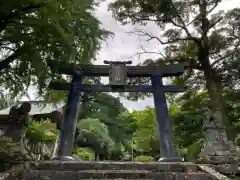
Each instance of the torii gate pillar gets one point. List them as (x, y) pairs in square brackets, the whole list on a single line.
[(167, 152)]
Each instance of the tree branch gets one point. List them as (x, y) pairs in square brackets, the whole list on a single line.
[(5, 20), (236, 48), (151, 52), (183, 26), (214, 23), (144, 51), (8, 48), (192, 21), (142, 19), (142, 33), (215, 5), (5, 63)]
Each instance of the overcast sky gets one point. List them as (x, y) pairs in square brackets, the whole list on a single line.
[(122, 45)]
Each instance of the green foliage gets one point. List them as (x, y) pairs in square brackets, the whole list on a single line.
[(110, 111), (102, 106), (94, 134), (193, 34), (33, 32), (191, 152), (237, 139), (43, 131), (84, 154), (136, 133), (9, 153), (144, 159), (186, 116), (117, 152), (146, 138)]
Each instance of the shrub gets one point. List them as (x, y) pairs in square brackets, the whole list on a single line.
[(43, 131), (143, 158), (9, 153), (83, 153)]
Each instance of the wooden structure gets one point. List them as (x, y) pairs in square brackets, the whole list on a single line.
[(117, 73)]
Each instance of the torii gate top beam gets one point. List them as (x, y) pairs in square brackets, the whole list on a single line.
[(132, 71)]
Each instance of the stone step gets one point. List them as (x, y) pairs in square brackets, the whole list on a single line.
[(110, 174), (92, 165)]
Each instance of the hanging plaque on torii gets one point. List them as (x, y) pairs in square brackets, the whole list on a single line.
[(117, 73)]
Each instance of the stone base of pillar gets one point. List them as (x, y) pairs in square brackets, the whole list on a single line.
[(170, 159), (173, 158), (62, 158)]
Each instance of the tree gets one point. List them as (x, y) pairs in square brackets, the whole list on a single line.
[(110, 111), (145, 138), (204, 41), (92, 133), (101, 106), (187, 120), (33, 32)]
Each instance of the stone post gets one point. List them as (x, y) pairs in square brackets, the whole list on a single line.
[(217, 150)]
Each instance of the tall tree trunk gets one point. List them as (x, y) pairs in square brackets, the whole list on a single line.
[(214, 87), (213, 79)]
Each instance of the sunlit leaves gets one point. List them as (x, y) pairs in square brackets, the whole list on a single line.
[(43, 131), (84, 154), (144, 158), (145, 137)]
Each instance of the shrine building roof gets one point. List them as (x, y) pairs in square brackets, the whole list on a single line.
[(37, 107)]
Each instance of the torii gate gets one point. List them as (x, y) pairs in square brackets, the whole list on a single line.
[(117, 71)]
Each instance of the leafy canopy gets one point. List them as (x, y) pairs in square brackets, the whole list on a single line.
[(34, 31)]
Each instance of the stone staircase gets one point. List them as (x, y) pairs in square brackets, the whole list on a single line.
[(76, 170)]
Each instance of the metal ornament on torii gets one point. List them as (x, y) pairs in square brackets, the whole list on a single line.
[(117, 71)]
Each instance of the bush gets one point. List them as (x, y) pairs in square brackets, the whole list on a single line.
[(191, 152), (144, 158), (9, 153), (237, 140), (43, 131), (83, 153)]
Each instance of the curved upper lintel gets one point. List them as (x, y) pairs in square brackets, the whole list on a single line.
[(132, 71)]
